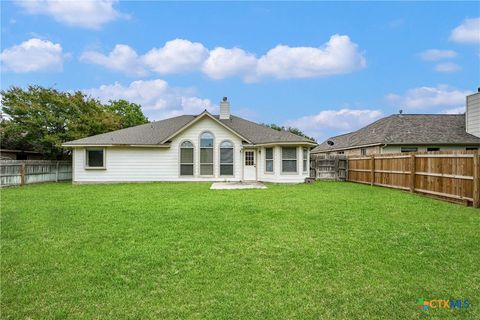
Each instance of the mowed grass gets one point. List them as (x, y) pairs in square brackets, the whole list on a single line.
[(181, 251)]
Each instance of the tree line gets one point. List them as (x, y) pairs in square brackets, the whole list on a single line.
[(41, 119)]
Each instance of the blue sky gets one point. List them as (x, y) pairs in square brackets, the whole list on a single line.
[(327, 68)]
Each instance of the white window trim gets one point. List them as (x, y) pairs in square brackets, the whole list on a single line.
[(200, 158), (180, 159), (296, 161), (104, 167), (273, 161), (220, 160)]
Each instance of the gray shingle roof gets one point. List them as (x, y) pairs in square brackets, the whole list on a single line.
[(407, 129), (155, 132), (259, 134)]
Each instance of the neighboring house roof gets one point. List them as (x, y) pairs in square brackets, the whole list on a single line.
[(155, 133), (406, 129)]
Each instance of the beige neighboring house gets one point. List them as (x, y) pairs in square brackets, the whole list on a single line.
[(410, 133), (201, 147)]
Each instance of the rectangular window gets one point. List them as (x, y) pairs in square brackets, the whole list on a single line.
[(186, 161), (95, 158), (226, 161), (433, 149), (206, 161), (409, 149), (305, 159), (206, 154), (471, 148), (363, 151), (289, 159), (268, 159)]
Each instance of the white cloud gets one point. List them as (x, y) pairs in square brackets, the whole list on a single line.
[(338, 56), (436, 54), (157, 98), (429, 97), (459, 110), (176, 56), (467, 32), (447, 67), (223, 63), (396, 23), (343, 120), (122, 58), (91, 14), (33, 55)]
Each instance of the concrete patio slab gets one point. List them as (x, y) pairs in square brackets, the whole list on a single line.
[(237, 185)]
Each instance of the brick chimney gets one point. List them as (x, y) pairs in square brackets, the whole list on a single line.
[(225, 109)]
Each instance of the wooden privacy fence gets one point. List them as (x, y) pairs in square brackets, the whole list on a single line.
[(328, 167), (20, 172), (449, 175)]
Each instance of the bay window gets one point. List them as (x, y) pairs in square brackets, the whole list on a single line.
[(269, 160), (289, 159)]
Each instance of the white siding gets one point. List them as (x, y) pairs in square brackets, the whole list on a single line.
[(277, 175), (473, 114), (159, 164)]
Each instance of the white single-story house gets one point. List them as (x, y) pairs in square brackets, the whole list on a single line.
[(202, 147)]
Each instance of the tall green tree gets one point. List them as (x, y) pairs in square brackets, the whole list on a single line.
[(130, 113), (296, 131), (41, 119)]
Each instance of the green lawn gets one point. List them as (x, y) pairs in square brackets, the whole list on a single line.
[(179, 250)]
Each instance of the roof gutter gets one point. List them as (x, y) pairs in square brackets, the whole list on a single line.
[(65, 145), (286, 143)]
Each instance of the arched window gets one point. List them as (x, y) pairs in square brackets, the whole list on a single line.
[(206, 154), (186, 159), (226, 158)]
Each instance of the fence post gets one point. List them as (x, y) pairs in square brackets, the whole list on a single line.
[(372, 175), (346, 168), (56, 173), (22, 173), (476, 180), (412, 173)]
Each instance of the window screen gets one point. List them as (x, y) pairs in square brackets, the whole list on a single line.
[(186, 159), (95, 158), (305, 159), (226, 158), (206, 154), (269, 160), (289, 159)]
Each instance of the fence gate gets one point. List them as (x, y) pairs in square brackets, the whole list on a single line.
[(328, 167)]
